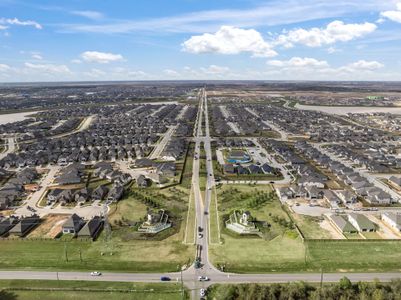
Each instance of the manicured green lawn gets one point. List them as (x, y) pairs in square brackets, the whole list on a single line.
[(354, 255), (15, 289), (253, 255), (130, 256)]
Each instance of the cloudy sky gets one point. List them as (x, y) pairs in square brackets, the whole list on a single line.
[(200, 39)]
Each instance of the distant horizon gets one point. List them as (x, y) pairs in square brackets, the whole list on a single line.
[(195, 80)]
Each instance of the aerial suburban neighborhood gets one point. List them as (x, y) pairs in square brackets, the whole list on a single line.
[(200, 150), (202, 180)]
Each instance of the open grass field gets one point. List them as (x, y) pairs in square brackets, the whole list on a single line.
[(288, 254), (128, 255), (50, 290), (253, 254), (310, 227), (354, 255)]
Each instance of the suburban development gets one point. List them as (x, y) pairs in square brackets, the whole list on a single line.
[(200, 184), (200, 150)]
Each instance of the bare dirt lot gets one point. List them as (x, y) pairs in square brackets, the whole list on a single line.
[(50, 227)]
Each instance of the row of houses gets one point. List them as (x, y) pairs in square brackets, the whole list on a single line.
[(14, 226), (175, 149), (332, 197), (16, 187), (81, 196), (81, 228), (251, 169), (352, 223), (359, 184), (319, 126), (375, 160)]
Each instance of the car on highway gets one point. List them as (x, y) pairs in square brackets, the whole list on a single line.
[(202, 292), (200, 229), (96, 273), (165, 278), (203, 278), (205, 212), (200, 235)]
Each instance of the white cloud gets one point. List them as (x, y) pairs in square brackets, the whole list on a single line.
[(100, 57), (76, 61), (331, 50), (230, 40), (362, 65), (335, 31), (15, 21), (2, 27), (270, 13), (299, 62), (213, 69), (4, 68), (37, 56), (90, 14), (393, 15), (170, 72), (48, 68), (313, 69)]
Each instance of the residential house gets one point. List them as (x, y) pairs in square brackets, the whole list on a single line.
[(392, 219), (342, 224), (73, 224), (24, 226), (361, 222), (92, 228)]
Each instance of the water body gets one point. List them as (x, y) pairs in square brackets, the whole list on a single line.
[(344, 110), (10, 118)]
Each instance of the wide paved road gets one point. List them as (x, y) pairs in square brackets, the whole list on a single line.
[(188, 277)]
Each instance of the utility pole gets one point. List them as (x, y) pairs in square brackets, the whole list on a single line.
[(80, 254), (65, 252), (321, 278)]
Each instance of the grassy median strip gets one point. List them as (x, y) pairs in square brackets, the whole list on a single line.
[(214, 219), (190, 226), (52, 289)]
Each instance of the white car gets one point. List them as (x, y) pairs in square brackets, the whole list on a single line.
[(96, 273), (200, 235), (202, 292), (203, 278)]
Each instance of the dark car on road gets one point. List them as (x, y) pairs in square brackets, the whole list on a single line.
[(165, 278)]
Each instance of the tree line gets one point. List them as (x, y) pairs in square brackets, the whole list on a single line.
[(343, 290)]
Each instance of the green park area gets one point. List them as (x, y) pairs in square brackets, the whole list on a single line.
[(283, 249), (68, 290)]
